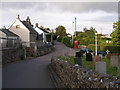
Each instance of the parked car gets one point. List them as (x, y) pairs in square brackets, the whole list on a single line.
[(101, 52), (86, 50)]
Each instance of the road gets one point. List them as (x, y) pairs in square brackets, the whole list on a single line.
[(32, 73)]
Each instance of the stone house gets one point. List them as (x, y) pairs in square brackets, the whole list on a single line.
[(25, 30), (9, 39)]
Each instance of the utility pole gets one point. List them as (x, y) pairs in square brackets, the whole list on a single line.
[(73, 32), (95, 43), (75, 26)]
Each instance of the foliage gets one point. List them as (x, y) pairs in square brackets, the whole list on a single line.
[(67, 41), (59, 39), (61, 31), (48, 38), (116, 33), (87, 37), (112, 49), (92, 47)]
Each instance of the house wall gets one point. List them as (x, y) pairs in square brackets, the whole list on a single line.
[(3, 42), (39, 31), (22, 32), (32, 37)]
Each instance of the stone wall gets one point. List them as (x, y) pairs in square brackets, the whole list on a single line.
[(81, 77), (13, 54), (32, 52)]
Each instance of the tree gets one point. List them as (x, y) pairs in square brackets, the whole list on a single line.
[(116, 33), (61, 31), (86, 37)]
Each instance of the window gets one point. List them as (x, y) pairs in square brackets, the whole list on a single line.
[(17, 26)]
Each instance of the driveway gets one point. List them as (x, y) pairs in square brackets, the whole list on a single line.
[(32, 73)]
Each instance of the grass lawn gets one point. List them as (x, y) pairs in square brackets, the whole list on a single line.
[(89, 64)]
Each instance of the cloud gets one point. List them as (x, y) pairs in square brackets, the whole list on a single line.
[(75, 7), (96, 14)]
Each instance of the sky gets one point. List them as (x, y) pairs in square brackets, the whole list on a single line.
[(100, 15)]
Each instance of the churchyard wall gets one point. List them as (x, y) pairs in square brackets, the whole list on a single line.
[(80, 77)]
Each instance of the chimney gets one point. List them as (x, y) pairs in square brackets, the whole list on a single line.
[(18, 17), (36, 24)]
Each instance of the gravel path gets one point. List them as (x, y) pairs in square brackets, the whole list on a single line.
[(32, 73)]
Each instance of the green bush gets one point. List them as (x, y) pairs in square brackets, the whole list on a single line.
[(48, 38), (59, 39), (92, 47), (113, 49), (67, 42)]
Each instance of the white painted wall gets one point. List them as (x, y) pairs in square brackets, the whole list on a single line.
[(22, 32), (2, 35), (38, 30), (3, 42)]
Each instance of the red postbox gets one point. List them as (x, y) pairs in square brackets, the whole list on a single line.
[(75, 44)]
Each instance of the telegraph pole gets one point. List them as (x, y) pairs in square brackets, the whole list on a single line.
[(73, 32), (75, 26)]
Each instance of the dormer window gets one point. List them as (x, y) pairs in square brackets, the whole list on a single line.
[(17, 26)]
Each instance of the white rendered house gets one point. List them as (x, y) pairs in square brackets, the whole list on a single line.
[(24, 30), (41, 32)]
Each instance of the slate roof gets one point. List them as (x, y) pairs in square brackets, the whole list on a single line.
[(9, 33), (43, 30), (29, 27)]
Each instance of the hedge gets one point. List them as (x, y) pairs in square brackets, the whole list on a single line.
[(112, 49), (67, 41), (48, 38)]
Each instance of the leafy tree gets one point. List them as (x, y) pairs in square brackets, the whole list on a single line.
[(87, 37), (116, 33), (61, 31)]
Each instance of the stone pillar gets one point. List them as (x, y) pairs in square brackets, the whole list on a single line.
[(100, 67), (118, 72)]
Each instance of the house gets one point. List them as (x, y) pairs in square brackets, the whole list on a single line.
[(69, 35), (41, 31), (9, 39), (25, 30)]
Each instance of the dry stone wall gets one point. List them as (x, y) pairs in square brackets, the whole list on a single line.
[(81, 77), (12, 55)]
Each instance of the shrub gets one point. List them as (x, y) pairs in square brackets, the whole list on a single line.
[(67, 41), (92, 47), (48, 38), (59, 39), (113, 49)]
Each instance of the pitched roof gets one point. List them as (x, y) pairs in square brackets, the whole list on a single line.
[(29, 27), (9, 33), (43, 30)]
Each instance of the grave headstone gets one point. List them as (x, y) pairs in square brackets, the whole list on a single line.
[(89, 57), (100, 67), (100, 55), (78, 60), (96, 59), (114, 61), (79, 54), (107, 51), (118, 72)]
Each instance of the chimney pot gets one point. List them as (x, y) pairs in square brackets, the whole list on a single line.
[(18, 16), (36, 24)]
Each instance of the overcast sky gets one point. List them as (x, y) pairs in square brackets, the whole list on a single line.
[(99, 15)]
